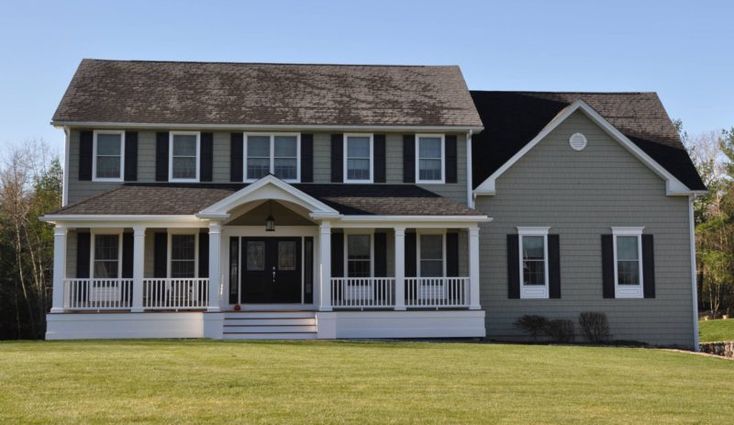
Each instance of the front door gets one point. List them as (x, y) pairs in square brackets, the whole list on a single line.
[(271, 271)]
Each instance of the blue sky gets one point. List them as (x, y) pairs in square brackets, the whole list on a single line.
[(682, 50)]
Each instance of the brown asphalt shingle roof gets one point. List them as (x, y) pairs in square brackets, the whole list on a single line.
[(172, 199), (266, 94)]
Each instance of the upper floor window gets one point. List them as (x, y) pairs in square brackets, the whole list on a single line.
[(277, 154), (184, 158), (358, 158), (430, 152), (430, 255), (533, 262), (628, 262), (108, 155)]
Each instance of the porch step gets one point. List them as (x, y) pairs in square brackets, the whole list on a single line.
[(269, 314), (270, 325), (297, 335)]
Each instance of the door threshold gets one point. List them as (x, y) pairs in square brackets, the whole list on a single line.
[(274, 307)]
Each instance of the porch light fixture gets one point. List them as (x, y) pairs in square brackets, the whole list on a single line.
[(270, 221)]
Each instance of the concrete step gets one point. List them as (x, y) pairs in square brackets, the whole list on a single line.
[(308, 321), (256, 336), (267, 329)]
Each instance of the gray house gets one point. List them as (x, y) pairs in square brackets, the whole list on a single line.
[(236, 200)]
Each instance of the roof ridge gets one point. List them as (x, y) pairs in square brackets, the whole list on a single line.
[(269, 63)]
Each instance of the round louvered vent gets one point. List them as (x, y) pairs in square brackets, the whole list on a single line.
[(577, 141)]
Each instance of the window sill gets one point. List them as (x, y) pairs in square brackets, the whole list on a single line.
[(629, 293), (531, 292), (171, 180), (108, 179)]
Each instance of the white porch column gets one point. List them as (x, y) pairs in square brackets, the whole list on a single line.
[(59, 274), (325, 266), (138, 267), (215, 273), (400, 268), (474, 268)]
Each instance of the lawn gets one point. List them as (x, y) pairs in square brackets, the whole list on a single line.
[(217, 382), (716, 330)]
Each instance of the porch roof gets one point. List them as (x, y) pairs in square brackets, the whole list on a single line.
[(189, 199)]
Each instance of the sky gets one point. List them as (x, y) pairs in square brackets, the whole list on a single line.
[(683, 50)]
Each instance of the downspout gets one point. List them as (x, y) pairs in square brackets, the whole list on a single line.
[(65, 171), (694, 277), (469, 171)]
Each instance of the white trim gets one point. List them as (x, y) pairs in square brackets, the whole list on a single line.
[(415, 218), (534, 291), (418, 159), (469, 171), (65, 186), (171, 135), (694, 277), (673, 186), (271, 136), (429, 232), (345, 158), (120, 133), (628, 291)]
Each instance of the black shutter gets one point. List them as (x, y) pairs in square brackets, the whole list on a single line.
[(307, 158), (203, 255), (648, 266), (127, 255), (607, 266), (337, 254), (83, 240), (513, 266), (86, 140), (379, 161), (161, 157), (554, 266), (160, 255), (236, 157), (452, 254), (131, 156), (380, 254), (206, 161), (409, 158), (450, 159), (337, 158), (411, 267)]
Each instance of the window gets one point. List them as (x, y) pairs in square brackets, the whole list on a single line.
[(255, 256), (628, 262), (359, 255), (533, 262), (107, 256), (358, 158), (183, 256), (109, 160), (184, 158), (431, 254), (276, 154), (429, 154)]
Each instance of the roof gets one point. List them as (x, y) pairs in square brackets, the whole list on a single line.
[(217, 93), (189, 199), (512, 119)]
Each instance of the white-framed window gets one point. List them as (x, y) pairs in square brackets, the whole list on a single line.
[(431, 255), (278, 154), (628, 278), (533, 249), (183, 159), (183, 254), (106, 256), (358, 157), (109, 155), (358, 255), (429, 157)]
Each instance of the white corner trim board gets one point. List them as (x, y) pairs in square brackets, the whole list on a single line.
[(673, 186)]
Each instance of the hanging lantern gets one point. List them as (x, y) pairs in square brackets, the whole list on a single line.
[(270, 221)]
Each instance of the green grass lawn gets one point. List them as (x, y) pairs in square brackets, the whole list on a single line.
[(217, 382), (716, 330)]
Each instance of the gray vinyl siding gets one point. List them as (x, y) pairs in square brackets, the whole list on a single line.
[(581, 195)]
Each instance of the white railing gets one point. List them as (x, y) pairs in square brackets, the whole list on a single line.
[(175, 293), (98, 294), (436, 292), (363, 292)]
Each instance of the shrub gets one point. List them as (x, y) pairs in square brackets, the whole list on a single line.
[(594, 326), (560, 330), (532, 324)]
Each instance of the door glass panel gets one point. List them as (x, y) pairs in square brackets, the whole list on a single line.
[(286, 255), (255, 255)]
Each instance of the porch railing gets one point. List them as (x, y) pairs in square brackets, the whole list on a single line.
[(362, 292), (175, 293), (437, 292), (379, 292), (98, 294)]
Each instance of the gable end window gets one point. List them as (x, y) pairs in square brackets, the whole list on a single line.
[(278, 154), (109, 160), (430, 151), (628, 265), (185, 151), (533, 248), (358, 158)]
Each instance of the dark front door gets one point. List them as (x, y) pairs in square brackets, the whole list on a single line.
[(271, 270)]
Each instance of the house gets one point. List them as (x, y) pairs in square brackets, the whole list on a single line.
[(238, 200)]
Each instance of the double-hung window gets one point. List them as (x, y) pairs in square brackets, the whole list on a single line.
[(184, 158), (109, 160), (628, 278), (276, 154), (183, 256), (107, 252), (359, 255), (430, 151), (358, 157), (431, 255), (533, 262)]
